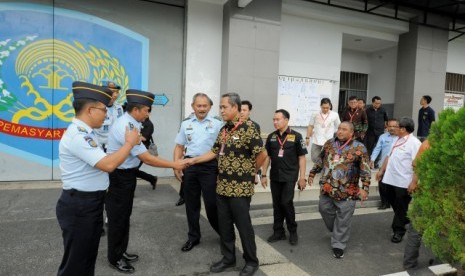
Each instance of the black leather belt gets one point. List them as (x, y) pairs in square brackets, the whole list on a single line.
[(127, 170), (96, 194)]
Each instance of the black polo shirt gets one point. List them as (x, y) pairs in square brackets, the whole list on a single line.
[(286, 168), (377, 119)]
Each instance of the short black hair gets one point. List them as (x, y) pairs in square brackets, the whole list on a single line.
[(233, 99), (246, 102), (325, 101), (351, 98), (131, 106), (362, 99), (427, 98), (79, 104), (284, 112), (407, 123), (375, 98)]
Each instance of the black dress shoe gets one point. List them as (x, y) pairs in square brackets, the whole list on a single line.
[(276, 237), (221, 266), (396, 238), (248, 270), (382, 207), (180, 201), (293, 238), (189, 245), (123, 266), (154, 182), (131, 258)]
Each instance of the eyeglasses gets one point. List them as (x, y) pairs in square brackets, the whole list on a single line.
[(103, 109)]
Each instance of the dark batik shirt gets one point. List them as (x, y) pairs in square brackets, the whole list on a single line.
[(340, 176), (236, 167), (358, 117)]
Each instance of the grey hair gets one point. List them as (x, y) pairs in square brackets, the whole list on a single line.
[(233, 99), (350, 124), (407, 123), (200, 94)]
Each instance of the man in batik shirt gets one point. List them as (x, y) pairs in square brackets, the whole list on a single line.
[(358, 117), (343, 161), (240, 152)]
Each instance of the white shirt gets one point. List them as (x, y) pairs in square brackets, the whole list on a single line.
[(79, 152), (116, 140), (113, 112), (324, 126), (399, 171)]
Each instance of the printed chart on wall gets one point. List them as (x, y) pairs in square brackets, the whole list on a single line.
[(454, 101), (301, 97)]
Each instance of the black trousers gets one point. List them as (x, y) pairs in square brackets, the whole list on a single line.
[(200, 180), (235, 211), (181, 189), (118, 205), (143, 175), (80, 217), (383, 193), (399, 199), (370, 142), (282, 194)]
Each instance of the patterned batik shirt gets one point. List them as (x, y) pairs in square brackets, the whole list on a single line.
[(342, 167), (236, 159)]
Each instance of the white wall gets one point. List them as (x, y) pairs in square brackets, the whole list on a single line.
[(203, 51), (382, 78), (456, 57), (310, 49), (354, 61)]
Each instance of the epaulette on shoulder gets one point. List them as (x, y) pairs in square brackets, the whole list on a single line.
[(186, 119), (218, 118), (81, 129)]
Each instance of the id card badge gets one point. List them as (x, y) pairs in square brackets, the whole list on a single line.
[(336, 158), (280, 153), (222, 149)]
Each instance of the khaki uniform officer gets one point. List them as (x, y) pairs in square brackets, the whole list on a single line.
[(84, 168), (123, 179)]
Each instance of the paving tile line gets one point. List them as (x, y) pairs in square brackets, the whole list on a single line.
[(436, 270)]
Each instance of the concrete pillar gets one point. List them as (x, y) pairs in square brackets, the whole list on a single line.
[(421, 69), (250, 61)]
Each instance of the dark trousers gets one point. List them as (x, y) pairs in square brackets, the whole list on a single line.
[(181, 189), (399, 199), (200, 180), (235, 210), (370, 142), (118, 205), (383, 193), (143, 175), (283, 206), (80, 217)]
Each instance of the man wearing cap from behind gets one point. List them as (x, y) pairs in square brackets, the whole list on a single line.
[(84, 171), (114, 111), (123, 180)]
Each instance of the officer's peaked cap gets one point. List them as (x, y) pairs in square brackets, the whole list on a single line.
[(139, 97), (84, 90), (107, 83)]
